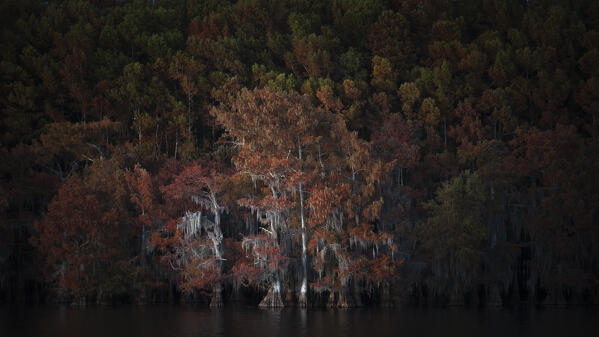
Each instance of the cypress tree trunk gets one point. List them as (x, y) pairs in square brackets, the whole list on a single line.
[(303, 297), (273, 297), (216, 300)]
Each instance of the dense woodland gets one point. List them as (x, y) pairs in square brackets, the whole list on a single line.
[(300, 153)]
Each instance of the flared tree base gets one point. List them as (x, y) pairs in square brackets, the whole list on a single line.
[(345, 301), (341, 300), (302, 301), (216, 301), (272, 300)]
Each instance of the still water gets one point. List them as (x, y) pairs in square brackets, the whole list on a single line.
[(178, 321)]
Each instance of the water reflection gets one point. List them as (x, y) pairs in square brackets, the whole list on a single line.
[(176, 321), (303, 319)]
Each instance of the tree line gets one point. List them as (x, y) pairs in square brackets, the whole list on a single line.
[(300, 152)]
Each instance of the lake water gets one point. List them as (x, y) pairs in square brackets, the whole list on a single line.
[(182, 321)]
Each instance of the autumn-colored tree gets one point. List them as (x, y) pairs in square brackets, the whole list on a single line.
[(274, 132), (395, 144), (82, 237), (143, 196), (186, 70), (199, 251), (389, 37)]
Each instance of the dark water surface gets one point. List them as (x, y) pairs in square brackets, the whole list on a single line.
[(180, 321)]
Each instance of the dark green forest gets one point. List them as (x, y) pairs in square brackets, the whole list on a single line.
[(300, 152)]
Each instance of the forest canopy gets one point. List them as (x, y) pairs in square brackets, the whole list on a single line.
[(299, 152)]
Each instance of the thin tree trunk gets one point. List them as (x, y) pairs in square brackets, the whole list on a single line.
[(273, 297), (445, 131), (157, 141), (141, 248), (176, 144), (217, 237), (303, 298), (322, 173), (189, 111)]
